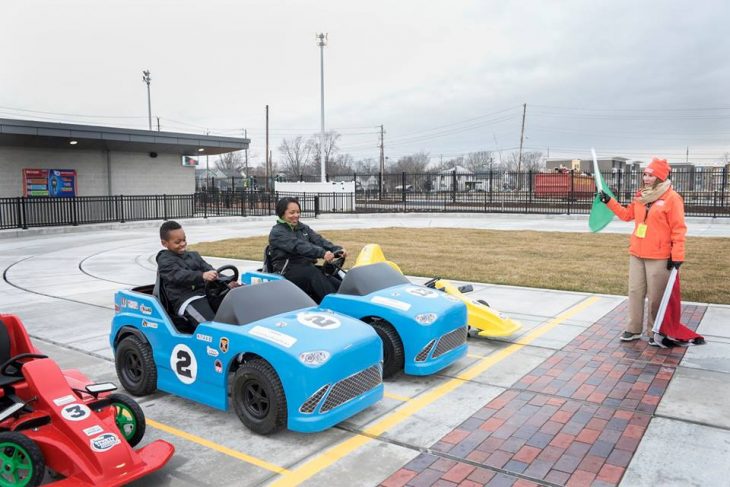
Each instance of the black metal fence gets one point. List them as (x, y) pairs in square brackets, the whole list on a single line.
[(705, 193)]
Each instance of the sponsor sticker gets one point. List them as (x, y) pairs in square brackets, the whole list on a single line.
[(273, 336), (212, 352), (393, 303), (223, 344), (75, 412), (218, 366), (149, 324), (132, 304), (184, 364), (318, 320), (204, 338), (145, 309), (93, 430), (64, 400), (423, 292), (104, 442), (281, 324), (123, 302)]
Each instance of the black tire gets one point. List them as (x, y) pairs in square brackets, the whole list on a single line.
[(135, 365), (258, 397), (129, 417), (22, 460), (393, 355)]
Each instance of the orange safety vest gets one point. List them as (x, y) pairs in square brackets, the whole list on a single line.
[(665, 226)]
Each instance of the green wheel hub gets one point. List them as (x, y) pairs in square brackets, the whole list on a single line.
[(125, 419), (17, 466)]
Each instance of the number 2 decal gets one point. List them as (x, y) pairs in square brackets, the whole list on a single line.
[(184, 364), (325, 321)]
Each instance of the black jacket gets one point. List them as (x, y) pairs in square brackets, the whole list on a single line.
[(182, 275), (297, 245)]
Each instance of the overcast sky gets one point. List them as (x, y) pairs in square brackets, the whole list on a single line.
[(632, 78)]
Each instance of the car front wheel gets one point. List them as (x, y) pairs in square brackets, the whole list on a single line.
[(129, 418), (258, 397), (393, 355), (22, 461)]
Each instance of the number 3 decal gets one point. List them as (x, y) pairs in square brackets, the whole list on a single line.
[(183, 364), (75, 412)]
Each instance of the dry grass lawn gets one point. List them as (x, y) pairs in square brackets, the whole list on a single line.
[(587, 262)]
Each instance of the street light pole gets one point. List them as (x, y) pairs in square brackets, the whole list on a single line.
[(322, 42), (146, 78)]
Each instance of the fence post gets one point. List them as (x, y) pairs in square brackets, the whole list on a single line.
[(380, 186), (403, 189), (316, 205), (157, 207), (121, 208), (22, 216), (205, 204), (572, 190), (714, 204), (491, 185), (74, 216), (722, 188), (620, 182), (164, 207), (453, 185), (529, 184)]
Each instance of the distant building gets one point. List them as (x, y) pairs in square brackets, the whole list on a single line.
[(615, 163), (47, 159)]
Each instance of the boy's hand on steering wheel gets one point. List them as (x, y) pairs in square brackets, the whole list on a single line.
[(341, 253), (210, 276), (328, 256)]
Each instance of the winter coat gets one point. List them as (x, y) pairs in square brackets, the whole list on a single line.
[(298, 244), (665, 226), (182, 275)]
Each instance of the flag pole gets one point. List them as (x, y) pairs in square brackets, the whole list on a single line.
[(665, 301), (596, 173)]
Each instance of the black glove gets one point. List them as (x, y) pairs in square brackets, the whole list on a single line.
[(604, 197), (673, 264)]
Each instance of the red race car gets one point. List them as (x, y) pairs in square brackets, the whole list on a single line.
[(61, 420)]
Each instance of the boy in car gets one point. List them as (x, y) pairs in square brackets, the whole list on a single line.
[(184, 274)]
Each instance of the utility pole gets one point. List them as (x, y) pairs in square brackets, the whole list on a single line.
[(522, 138), (687, 158), (267, 149), (382, 157), (322, 42), (245, 136), (146, 78)]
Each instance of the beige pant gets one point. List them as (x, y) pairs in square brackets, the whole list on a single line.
[(647, 280)]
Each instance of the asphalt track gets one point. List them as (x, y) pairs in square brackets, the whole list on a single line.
[(61, 285)]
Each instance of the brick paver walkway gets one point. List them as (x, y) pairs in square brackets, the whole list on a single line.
[(576, 419)]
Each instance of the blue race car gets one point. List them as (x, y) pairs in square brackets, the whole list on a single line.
[(423, 330), (293, 364)]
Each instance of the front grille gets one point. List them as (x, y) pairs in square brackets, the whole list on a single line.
[(450, 341), (423, 354), (352, 387), (311, 403)]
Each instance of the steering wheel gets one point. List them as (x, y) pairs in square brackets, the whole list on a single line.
[(219, 288), (12, 366), (331, 268)]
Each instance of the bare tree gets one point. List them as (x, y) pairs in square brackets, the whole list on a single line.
[(413, 163), (330, 149), (367, 166), (531, 161), (480, 161), (341, 165), (296, 156), (231, 164)]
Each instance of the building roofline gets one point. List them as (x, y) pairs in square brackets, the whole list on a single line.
[(33, 133)]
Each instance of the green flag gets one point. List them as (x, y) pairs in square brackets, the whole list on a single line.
[(601, 215)]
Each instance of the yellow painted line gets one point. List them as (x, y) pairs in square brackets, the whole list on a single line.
[(472, 355), (397, 397), (219, 448), (328, 457)]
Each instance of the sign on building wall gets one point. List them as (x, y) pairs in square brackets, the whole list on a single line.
[(49, 182), (189, 161)]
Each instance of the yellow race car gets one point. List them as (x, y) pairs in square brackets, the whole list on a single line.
[(488, 321)]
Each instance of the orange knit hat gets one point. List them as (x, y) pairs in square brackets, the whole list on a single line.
[(659, 168)]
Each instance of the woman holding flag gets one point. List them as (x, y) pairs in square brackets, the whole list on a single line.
[(656, 246)]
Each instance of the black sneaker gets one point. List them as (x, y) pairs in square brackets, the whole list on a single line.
[(627, 336), (699, 341), (652, 343)]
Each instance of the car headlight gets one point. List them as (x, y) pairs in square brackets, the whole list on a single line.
[(314, 359), (426, 318)]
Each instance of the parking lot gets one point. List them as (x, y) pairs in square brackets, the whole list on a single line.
[(62, 284)]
